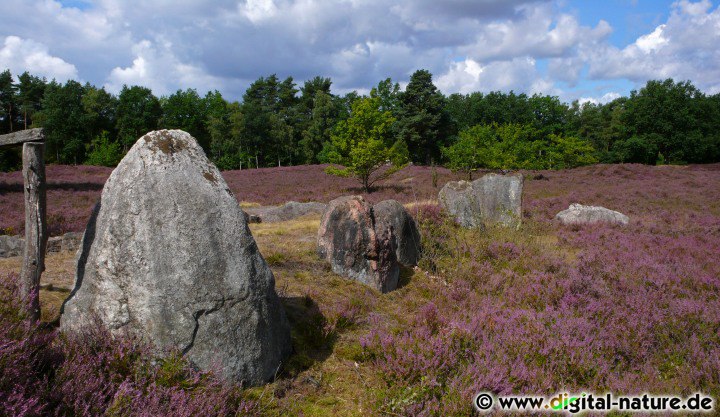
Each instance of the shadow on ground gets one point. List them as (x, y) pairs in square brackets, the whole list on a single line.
[(312, 338)]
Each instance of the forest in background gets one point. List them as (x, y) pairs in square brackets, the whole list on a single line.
[(279, 123)]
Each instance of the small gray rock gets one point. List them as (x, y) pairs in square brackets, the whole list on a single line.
[(167, 256), (348, 241), (580, 214), (71, 241), (54, 244), (11, 246), (288, 211), (390, 214)]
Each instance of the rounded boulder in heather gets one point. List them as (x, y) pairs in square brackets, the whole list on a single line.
[(168, 257), (347, 239)]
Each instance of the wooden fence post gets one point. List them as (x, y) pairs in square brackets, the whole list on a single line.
[(35, 226)]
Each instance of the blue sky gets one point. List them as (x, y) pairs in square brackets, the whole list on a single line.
[(577, 50), (630, 19)]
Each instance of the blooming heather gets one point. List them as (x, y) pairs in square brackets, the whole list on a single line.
[(44, 373)]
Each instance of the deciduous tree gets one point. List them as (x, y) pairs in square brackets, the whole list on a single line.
[(363, 145)]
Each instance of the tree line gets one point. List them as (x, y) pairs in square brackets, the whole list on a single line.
[(279, 123)]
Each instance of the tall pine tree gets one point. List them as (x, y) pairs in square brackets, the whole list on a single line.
[(423, 123)]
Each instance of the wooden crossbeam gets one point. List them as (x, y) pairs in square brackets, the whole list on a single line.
[(22, 136)]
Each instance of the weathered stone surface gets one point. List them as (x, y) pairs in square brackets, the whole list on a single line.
[(54, 244), (458, 199), (71, 241), (580, 214), (390, 214), (348, 241), (168, 256), (11, 246), (491, 199), (288, 211), (500, 198)]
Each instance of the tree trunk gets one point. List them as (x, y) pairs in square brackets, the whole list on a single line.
[(366, 184), (35, 227)]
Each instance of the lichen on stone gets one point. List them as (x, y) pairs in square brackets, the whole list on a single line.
[(164, 142)]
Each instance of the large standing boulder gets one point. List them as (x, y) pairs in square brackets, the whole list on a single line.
[(347, 239), (391, 215), (458, 199), (489, 200), (580, 214), (500, 198), (167, 256)]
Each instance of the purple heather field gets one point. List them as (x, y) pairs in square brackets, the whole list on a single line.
[(597, 308)]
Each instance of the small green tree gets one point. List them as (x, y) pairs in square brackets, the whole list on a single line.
[(103, 152), (569, 152), (362, 144), (470, 150)]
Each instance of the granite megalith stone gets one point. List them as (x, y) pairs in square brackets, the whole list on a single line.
[(580, 214), (458, 199), (490, 200), (390, 214), (500, 198), (347, 239), (167, 256)]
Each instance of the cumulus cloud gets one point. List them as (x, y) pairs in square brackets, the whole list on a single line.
[(156, 67), (539, 32), (685, 48), (525, 45), (519, 74), (605, 98), (258, 10), (21, 55)]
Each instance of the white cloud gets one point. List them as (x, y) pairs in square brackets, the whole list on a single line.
[(693, 9), (605, 98), (539, 33), (258, 10), (652, 41), (519, 74), (156, 67), (20, 55), (684, 48), (525, 45)]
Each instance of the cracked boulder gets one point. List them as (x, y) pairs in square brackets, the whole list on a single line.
[(348, 240), (168, 257), (391, 217)]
